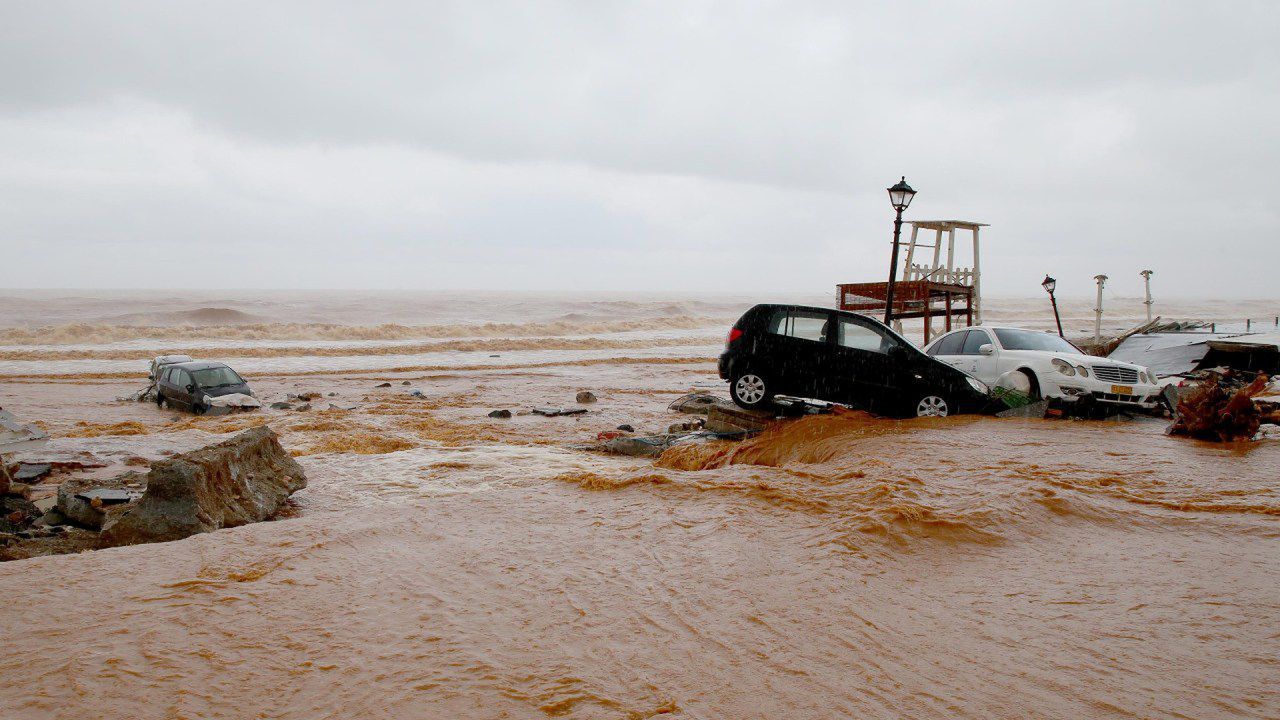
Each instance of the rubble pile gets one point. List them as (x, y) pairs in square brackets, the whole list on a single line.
[(1223, 407), (245, 479)]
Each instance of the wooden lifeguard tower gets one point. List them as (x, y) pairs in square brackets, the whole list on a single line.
[(929, 287)]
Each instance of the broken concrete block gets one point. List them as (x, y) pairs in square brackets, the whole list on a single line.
[(75, 497), (31, 472), (243, 480), (735, 419)]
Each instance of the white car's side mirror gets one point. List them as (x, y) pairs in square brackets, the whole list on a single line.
[(987, 349)]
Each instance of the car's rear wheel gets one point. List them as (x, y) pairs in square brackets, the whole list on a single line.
[(750, 390), (198, 407), (932, 405), (159, 399)]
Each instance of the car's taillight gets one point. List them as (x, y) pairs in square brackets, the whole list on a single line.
[(734, 334)]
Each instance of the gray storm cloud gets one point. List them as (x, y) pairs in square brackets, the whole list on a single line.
[(648, 146)]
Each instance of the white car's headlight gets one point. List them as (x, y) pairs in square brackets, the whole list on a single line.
[(1063, 367), (978, 385)]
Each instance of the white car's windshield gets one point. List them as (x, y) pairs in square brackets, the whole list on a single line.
[(1028, 340), (216, 377)]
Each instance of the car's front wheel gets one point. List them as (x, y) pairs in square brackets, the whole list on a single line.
[(159, 399), (932, 405), (750, 390)]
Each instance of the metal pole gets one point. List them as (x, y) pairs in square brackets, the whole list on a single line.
[(1056, 317), (1146, 278), (1097, 311), (893, 269)]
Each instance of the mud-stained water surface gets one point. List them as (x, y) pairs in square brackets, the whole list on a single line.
[(445, 564)]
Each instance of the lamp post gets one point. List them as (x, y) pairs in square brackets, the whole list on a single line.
[(1049, 284), (1097, 312), (900, 196), (1146, 279)]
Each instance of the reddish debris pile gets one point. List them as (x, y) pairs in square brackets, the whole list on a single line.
[(1222, 408)]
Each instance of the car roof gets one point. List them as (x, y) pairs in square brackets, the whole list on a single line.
[(815, 308), (199, 365)]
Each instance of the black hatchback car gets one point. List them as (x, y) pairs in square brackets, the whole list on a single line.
[(842, 357), (189, 385)]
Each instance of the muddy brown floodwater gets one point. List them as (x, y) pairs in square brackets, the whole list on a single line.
[(443, 564)]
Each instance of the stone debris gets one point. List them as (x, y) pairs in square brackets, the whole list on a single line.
[(585, 396), (406, 382), (383, 385), (76, 497), (558, 412), (280, 405), (31, 472), (502, 414), (1222, 408), (13, 431), (243, 480), (626, 428)]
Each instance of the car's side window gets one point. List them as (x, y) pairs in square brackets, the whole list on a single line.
[(975, 340), (949, 345), (179, 377), (861, 336), (802, 324)]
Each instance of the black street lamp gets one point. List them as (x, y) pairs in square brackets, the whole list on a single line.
[(1049, 284), (900, 196)]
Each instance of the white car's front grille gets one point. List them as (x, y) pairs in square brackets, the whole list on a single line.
[(1115, 374)]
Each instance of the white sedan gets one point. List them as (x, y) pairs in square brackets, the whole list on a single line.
[(1044, 366)]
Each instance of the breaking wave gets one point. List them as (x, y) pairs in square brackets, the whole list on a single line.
[(190, 331)]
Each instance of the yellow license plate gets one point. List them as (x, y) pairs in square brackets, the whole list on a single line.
[(1122, 389)]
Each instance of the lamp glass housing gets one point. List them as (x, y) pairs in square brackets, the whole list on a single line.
[(1049, 284), (900, 195)]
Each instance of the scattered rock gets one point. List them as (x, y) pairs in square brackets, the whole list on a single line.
[(332, 394), (243, 480), (1221, 408), (75, 497), (13, 431), (586, 396), (383, 385), (557, 412), (500, 414), (305, 397), (417, 393), (19, 490), (334, 406), (31, 472), (700, 404), (46, 504), (635, 446), (406, 382), (136, 460), (684, 427), (626, 428), (735, 419), (281, 406), (16, 514), (303, 407)]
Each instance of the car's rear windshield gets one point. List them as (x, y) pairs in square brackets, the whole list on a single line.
[(213, 377), (1030, 340)]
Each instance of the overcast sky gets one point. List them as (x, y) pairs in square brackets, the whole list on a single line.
[(635, 146)]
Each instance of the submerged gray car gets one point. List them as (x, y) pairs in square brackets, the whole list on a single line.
[(190, 385)]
